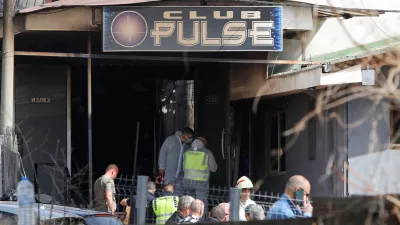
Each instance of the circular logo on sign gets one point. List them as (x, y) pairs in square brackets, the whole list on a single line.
[(129, 29)]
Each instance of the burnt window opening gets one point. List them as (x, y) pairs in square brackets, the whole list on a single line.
[(312, 132), (278, 144), (395, 126)]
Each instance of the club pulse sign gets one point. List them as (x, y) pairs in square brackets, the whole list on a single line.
[(202, 28)]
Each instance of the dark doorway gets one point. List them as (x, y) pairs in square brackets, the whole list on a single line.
[(121, 99), (121, 96)]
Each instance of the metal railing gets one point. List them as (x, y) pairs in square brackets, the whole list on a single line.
[(216, 195)]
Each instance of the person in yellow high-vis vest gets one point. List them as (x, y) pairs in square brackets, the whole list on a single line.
[(164, 207), (198, 161)]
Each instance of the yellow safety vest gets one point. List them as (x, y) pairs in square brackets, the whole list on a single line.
[(195, 166), (164, 207)]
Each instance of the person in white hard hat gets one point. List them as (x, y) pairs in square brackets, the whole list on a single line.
[(246, 185)]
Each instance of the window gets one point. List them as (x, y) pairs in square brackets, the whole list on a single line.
[(278, 143), (312, 132), (394, 127)]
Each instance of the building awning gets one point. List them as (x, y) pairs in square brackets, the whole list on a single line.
[(85, 15), (319, 10), (312, 76), (75, 3), (325, 10)]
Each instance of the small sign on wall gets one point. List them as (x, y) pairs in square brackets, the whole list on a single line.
[(41, 100), (211, 100)]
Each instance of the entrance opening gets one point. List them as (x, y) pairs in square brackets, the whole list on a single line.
[(123, 92), (122, 96)]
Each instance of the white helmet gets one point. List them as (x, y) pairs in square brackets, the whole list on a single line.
[(244, 182)]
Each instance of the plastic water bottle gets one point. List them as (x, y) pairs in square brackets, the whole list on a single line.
[(26, 199)]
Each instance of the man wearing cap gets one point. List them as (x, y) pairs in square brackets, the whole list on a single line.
[(247, 212), (167, 190)]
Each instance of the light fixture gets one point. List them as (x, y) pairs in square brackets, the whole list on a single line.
[(368, 76), (327, 68)]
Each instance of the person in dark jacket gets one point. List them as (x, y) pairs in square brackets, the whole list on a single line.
[(151, 191), (151, 195), (217, 215), (183, 210), (196, 212)]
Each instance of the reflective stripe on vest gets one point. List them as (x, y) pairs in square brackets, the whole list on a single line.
[(164, 207), (196, 166)]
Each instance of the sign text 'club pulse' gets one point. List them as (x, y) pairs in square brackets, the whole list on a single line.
[(212, 28)]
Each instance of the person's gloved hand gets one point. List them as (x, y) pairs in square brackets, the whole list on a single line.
[(160, 180), (161, 172), (160, 176)]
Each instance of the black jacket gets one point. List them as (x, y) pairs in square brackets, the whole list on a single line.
[(149, 212), (210, 220), (150, 197), (175, 218)]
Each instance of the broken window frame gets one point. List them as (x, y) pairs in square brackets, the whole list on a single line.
[(281, 157), (394, 118), (312, 132)]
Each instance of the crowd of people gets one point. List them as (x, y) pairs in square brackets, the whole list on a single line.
[(185, 164), (169, 208)]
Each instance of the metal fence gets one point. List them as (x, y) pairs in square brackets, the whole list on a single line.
[(124, 187), (327, 210), (216, 195)]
